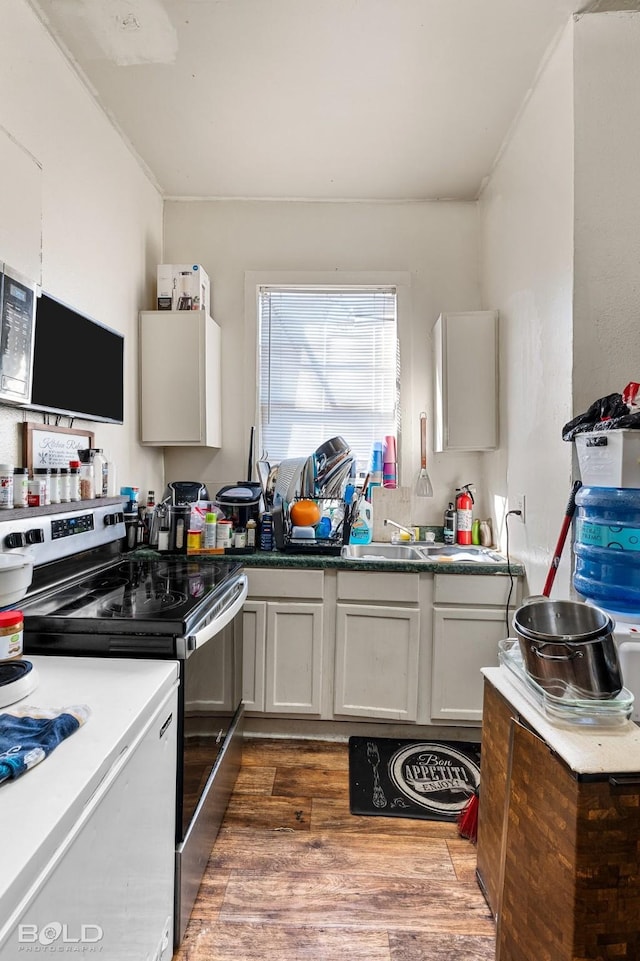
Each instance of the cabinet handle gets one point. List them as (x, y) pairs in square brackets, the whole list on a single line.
[(624, 780)]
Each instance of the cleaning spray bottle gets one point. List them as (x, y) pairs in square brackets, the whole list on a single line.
[(362, 527), (464, 513)]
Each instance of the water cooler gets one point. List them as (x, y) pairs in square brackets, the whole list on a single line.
[(607, 539)]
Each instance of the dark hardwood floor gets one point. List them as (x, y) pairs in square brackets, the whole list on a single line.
[(293, 876)]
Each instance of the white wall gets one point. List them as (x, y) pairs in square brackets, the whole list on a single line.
[(527, 257), (101, 220), (436, 243), (607, 196)]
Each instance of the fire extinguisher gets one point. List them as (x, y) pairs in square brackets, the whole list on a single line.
[(464, 513)]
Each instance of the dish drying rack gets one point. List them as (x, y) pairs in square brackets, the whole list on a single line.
[(330, 545)]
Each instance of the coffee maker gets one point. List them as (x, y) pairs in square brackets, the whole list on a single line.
[(185, 492)]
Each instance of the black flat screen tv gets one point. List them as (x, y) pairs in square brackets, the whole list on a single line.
[(78, 364)]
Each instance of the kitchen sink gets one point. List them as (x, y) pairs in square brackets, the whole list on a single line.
[(454, 553), (382, 552), (459, 553)]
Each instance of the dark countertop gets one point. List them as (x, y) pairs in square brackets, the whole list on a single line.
[(279, 559)]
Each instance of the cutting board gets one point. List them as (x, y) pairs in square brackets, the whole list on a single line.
[(394, 503)]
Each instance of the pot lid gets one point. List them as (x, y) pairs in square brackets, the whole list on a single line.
[(239, 494), (14, 562)]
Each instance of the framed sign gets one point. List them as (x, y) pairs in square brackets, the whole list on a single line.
[(47, 446)]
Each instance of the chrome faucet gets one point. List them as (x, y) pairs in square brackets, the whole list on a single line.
[(405, 530)]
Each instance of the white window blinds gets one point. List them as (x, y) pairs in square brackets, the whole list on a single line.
[(328, 365)]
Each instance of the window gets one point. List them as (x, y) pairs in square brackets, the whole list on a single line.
[(328, 365)]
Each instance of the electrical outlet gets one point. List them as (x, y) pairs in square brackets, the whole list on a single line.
[(519, 505)]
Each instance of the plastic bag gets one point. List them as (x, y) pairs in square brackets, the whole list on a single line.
[(613, 412)]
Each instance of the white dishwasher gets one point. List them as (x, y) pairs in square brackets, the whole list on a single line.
[(90, 830)]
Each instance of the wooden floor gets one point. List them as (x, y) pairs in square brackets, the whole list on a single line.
[(293, 876)]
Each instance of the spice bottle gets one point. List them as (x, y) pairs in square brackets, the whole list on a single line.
[(20, 487), (74, 480), (6, 486), (54, 485), (100, 477), (251, 533), (44, 474), (65, 490), (87, 485)]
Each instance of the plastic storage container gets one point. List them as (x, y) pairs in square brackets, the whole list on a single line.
[(6, 486), (607, 548), (609, 458)]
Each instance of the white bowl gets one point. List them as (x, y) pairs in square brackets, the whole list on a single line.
[(16, 573)]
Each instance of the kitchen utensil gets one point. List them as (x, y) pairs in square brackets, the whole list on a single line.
[(250, 462), (16, 572), (331, 484), (424, 487), (263, 469), (566, 523), (287, 485), (331, 451), (568, 648)]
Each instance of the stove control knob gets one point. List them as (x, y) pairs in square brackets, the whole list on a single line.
[(35, 536), (16, 539)]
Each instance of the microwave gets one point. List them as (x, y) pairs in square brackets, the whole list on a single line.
[(17, 325)]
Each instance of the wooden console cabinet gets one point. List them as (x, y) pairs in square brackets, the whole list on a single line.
[(558, 854)]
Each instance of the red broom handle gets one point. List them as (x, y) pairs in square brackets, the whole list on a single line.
[(566, 524)]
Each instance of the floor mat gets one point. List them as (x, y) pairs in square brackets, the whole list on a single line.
[(432, 780)]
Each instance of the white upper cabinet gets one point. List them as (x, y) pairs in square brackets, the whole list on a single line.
[(180, 402), (465, 347)]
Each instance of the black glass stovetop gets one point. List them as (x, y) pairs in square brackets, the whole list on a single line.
[(159, 595)]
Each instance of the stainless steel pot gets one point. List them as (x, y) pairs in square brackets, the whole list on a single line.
[(568, 648)]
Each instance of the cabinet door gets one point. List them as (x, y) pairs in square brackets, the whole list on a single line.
[(254, 630), (376, 667), (464, 641), (179, 379), (294, 658), (466, 381)]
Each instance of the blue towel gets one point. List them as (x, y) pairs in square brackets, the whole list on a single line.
[(28, 734)]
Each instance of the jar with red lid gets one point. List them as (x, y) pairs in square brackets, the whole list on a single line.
[(11, 630)]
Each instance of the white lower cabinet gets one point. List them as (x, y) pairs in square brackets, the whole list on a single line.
[(469, 621), (283, 642), (376, 665), (389, 646), (377, 653)]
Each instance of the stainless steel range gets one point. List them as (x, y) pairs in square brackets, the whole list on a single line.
[(87, 598)]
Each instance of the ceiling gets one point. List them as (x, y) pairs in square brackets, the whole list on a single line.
[(312, 99)]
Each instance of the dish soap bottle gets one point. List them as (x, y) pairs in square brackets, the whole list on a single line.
[(450, 524), (362, 527)]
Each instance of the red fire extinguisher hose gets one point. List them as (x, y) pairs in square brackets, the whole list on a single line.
[(564, 530)]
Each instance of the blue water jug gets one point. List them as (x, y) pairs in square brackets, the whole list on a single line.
[(607, 548)]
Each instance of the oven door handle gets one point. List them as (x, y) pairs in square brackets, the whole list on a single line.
[(220, 621)]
